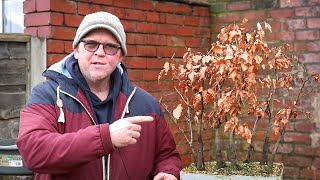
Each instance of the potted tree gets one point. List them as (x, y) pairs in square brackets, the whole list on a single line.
[(239, 79)]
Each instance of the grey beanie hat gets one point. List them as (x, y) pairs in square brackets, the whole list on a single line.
[(101, 20)]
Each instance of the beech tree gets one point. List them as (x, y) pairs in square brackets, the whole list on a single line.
[(240, 78)]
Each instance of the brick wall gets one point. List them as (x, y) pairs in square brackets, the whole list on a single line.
[(296, 22), (158, 29), (155, 31)]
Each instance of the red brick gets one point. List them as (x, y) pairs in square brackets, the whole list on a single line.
[(56, 5), (31, 30), (305, 126), (135, 75), (136, 62), (132, 50), (202, 32), (43, 19), (167, 29), (146, 51), (129, 26), (155, 63), (313, 2), (120, 12), (313, 23), (313, 46), (68, 46), (236, 6), (183, 9), (297, 161), (147, 27), (309, 173), (134, 38), (37, 19), (154, 39), (291, 172), (44, 31), (54, 58), (291, 3), (63, 33), (294, 24), (254, 15), (166, 52), (175, 41), (316, 163), (55, 46), (299, 47), (229, 17), (135, 14), (150, 75), (311, 57), (185, 30), (303, 150), (153, 17), (191, 20), (285, 36), (174, 19), (145, 5), (124, 3), (283, 148), (297, 137), (29, 6), (164, 7), (281, 13), (200, 11), (308, 35), (197, 42), (104, 2), (307, 11), (83, 8), (72, 20), (95, 8)]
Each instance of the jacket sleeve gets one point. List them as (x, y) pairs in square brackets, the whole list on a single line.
[(45, 150), (167, 157)]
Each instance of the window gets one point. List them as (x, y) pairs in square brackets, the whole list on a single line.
[(12, 16)]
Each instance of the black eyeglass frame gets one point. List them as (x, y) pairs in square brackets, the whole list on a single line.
[(108, 48)]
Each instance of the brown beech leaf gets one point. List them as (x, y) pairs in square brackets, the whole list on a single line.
[(267, 26), (177, 111), (229, 53), (217, 49), (244, 20)]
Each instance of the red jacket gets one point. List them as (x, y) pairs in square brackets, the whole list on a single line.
[(74, 146)]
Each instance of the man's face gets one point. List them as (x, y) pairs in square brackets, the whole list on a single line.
[(97, 66)]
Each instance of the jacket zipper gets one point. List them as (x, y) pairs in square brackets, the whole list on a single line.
[(126, 110), (103, 158)]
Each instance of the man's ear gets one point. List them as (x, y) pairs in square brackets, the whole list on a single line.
[(76, 53)]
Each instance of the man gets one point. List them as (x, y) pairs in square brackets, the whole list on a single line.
[(88, 121)]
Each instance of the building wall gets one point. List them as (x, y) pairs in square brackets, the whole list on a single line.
[(158, 29), (296, 22)]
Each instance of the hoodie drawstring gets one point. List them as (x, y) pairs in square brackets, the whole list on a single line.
[(60, 105)]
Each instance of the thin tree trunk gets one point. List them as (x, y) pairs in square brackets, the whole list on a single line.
[(200, 158), (250, 154), (219, 158), (232, 152)]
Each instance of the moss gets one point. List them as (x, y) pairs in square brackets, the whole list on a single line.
[(247, 169)]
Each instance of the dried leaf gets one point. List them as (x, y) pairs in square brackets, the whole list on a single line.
[(177, 111)]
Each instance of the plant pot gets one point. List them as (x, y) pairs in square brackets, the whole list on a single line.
[(202, 176)]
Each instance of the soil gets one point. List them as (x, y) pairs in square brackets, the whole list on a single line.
[(246, 169)]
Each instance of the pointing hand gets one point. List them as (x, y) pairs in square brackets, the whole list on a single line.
[(127, 130)]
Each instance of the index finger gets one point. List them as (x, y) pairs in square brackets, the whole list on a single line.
[(139, 119)]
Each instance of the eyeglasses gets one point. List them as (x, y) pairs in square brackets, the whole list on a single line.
[(92, 46)]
